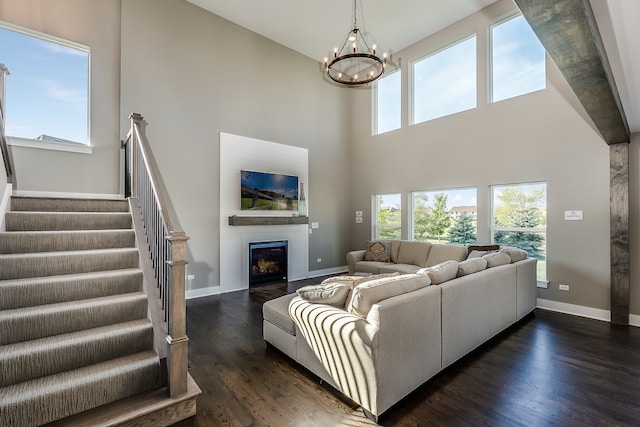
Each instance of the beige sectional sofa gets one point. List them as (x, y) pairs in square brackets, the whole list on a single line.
[(382, 336), (403, 256)]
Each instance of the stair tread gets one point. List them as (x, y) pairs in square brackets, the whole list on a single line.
[(66, 253), (39, 344), (70, 378), (68, 277), (66, 393), (26, 360), (69, 305), (27, 203)]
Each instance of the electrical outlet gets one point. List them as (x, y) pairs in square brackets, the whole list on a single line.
[(319, 260), (563, 287), (191, 276)]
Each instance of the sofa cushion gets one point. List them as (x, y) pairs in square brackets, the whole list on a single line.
[(441, 272), (372, 267), (276, 311), (497, 258), (471, 265), (377, 250), (369, 293), (334, 294), (353, 281), (516, 254), (441, 252), (400, 268), (395, 249), (415, 253)]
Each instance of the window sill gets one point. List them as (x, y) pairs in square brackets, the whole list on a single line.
[(55, 146), (543, 284)]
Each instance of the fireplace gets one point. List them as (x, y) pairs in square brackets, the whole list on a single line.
[(267, 262)]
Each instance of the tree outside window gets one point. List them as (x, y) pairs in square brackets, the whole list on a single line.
[(387, 222), (445, 216), (520, 220)]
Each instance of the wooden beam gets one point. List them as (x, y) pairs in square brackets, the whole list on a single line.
[(619, 167), (568, 31)]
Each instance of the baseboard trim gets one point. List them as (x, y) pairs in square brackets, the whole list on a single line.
[(327, 271), (576, 310), (203, 292), (582, 311), (58, 194)]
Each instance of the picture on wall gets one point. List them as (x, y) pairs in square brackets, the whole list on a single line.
[(262, 191)]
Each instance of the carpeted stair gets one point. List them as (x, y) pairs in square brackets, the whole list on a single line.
[(74, 330)]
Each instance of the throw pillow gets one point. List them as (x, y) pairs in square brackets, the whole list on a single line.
[(516, 254), (470, 266), (367, 294), (333, 294), (442, 272), (497, 258), (353, 281), (378, 250)]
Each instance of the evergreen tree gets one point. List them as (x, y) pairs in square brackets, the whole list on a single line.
[(439, 220), (521, 209), (463, 231)]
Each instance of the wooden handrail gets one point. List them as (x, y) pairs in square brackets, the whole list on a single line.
[(167, 248), (8, 167)]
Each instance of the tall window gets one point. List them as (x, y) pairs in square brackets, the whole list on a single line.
[(517, 60), (387, 221), (48, 87), (520, 219), (388, 102), (445, 82), (445, 216)]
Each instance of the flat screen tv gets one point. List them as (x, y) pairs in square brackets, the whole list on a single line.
[(262, 191)]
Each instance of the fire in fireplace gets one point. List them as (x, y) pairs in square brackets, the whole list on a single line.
[(267, 262)]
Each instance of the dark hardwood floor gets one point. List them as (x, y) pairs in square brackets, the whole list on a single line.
[(549, 369)]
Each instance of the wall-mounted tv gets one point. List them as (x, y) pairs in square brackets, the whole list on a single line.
[(262, 191)]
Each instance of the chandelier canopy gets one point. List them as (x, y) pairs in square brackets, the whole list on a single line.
[(355, 63)]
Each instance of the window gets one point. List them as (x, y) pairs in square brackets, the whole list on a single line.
[(445, 82), (47, 89), (387, 221), (445, 216), (520, 219), (517, 60), (388, 103)]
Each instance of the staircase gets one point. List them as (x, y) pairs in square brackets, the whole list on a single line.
[(74, 329)]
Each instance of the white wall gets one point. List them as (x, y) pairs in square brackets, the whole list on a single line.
[(543, 136), (241, 153), (192, 75), (97, 25)]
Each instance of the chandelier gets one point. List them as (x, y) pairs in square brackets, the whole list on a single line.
[(355, 63)]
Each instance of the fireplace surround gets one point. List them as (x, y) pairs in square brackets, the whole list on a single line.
[(268, 262)]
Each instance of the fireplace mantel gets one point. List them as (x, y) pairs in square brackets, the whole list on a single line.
[(267, 220)]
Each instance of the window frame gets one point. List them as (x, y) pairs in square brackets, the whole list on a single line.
[(375, 119), (490, 58), (78, 147), (375, 226), (411, 76), (411, 213), (541, 282)]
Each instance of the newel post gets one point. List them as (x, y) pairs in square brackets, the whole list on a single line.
[(177, 339)]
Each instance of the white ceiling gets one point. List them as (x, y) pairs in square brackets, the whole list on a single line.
[(313, 28)]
